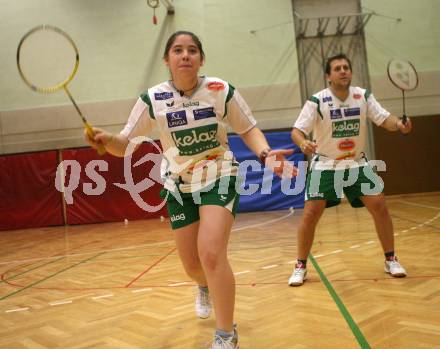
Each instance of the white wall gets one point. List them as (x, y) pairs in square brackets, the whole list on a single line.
[(121, 50)]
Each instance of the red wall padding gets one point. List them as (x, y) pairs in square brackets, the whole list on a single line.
[(28, 197), (114, 203)]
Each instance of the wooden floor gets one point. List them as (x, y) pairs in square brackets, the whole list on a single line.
[(122, 286)]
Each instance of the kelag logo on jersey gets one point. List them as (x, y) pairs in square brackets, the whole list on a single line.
[(352, 111), (177, 118), (346, 128), (196, 140), (191, 104), (335, 114), (163, 96), (204, 113)]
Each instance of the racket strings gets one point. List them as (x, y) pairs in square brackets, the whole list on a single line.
[(47, 59), (403, 74)]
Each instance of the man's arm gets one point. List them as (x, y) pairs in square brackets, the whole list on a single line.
[(304, 125), (307, 147)]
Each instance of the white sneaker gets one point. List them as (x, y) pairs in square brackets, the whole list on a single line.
[(229, 343), (394, 268), (203, 304), (298, 276)]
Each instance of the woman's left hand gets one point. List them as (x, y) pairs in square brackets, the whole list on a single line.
[(277, 162)]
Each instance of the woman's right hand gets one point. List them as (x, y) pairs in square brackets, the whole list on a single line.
[(100, 138)]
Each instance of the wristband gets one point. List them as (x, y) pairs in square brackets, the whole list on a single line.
[(263, 155)]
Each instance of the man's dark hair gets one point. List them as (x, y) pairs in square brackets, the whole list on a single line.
[(333, 58)]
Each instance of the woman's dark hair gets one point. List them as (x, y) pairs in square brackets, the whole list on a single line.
[(173, 37), (334, 58)]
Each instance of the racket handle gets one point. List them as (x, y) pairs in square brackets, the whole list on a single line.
[(101, 149), (404, 119)]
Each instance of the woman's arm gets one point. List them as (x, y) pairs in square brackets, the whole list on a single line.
[(115, 144), (274, 159), (255, 140)]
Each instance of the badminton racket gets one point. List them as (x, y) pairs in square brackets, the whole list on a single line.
[(404, 76), (47, 60)]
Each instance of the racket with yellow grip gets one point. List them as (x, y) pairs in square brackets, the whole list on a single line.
[(47, 60)]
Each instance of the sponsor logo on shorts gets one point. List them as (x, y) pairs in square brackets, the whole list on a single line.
[(316, 195), (204, 113), (216, 86), (335, 114), (196, 140), (178, 217), (176, 118), (345, 128), (352, 111), (163, 96)]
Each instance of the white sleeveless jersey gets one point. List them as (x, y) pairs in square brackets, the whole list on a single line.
[(192, 130), (340, 127)]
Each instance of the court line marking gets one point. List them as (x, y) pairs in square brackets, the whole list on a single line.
[(3, 279), (247, 271), (16, 261), (270, 266), (141, 290), (16, 310), (178, 284), (151, 267), (103, 296), (344, 311), (48, 277), (420, 205), (291, 212), (419, 225), (55, 303)]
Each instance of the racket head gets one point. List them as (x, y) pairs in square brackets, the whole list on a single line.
[(47, 58), (403, 74)]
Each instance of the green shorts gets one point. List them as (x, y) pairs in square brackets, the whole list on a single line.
[(221, 193), (355, 182)]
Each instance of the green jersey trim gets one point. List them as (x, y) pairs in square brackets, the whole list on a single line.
[(228, 98), (367, 94), (316, 100), (146, 98)]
